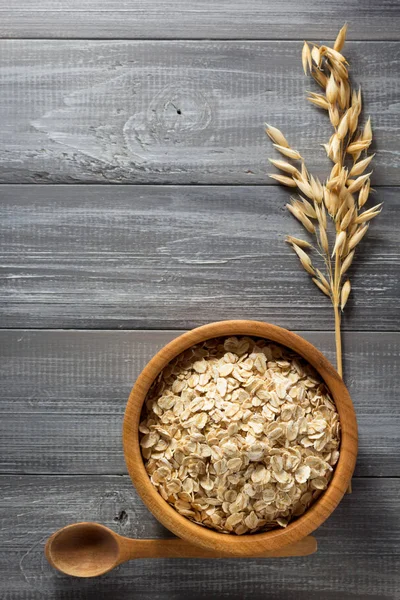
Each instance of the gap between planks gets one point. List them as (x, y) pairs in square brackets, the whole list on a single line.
[(165, 185), (113, 474), (185, 39)]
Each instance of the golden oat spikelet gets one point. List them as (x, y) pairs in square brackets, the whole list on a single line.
[(338, 203)]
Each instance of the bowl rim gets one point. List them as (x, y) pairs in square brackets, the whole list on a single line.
[(256, 543)]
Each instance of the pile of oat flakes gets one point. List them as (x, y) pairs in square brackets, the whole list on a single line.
[(239, 434)]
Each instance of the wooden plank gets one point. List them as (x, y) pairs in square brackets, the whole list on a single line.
[(64, 392), (176, 257), (175, 112), (352, 562), (161, 19)]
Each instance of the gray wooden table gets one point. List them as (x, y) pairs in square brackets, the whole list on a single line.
[(168, 99)]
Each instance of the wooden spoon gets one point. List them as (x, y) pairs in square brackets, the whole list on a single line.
[(90, 549)]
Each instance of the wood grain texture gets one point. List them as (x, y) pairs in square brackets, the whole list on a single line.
[(357, 558), (175, 112), (164, 19), (63, 396), (177, 257)]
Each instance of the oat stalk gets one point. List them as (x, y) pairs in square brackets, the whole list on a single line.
[(333, 212)]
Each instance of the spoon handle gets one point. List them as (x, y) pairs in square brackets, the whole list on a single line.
[(177, 548)]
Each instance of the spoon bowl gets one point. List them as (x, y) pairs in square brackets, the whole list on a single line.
[(83, 550)]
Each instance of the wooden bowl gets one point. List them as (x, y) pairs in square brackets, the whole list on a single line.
[(248, 544)]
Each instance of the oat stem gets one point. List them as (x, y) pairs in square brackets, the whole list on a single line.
[(336, 308), (338, 339)]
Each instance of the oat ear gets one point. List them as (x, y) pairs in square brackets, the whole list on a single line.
[(346, 191)]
